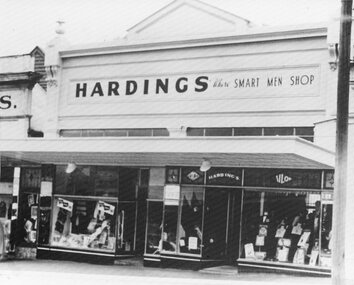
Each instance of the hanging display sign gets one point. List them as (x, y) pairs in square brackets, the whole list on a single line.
[(65, 204), (224, 176), (172, 192), (106, 208), (283, 178)]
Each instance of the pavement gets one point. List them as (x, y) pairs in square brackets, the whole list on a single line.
[(52, 272)]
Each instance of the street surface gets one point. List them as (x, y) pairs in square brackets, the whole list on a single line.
[(49, 272)]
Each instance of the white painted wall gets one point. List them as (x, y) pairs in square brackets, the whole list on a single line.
[(19, 63), (218, 107), (13, 128), (39, 108)]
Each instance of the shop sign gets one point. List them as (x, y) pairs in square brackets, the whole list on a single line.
[(326, 196), (252, 83), (106, 208), (13, 103), (224, 176), (282, 178), (65, 204), (286, 178), (192, 175)]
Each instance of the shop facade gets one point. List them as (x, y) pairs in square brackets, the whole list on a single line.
[(22, 86), (129, 124)]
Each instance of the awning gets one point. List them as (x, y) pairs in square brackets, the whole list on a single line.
[(260, 152)]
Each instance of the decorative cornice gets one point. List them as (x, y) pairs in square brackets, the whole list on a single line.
[(125, 46), (29, 79)]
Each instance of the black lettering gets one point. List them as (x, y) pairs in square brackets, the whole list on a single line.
[(312, 78), (5, 102), (146, 86), (113, 88), (292, 80), (202, 82), (178, 85), (81, 89), (161, 85), (97, 89), (131, 87), (242, 83), (270, 82)]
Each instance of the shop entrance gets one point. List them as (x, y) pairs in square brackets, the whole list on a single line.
[(221, 224), (131, 215)]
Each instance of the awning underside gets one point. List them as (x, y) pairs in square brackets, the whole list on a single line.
[(245, 160)]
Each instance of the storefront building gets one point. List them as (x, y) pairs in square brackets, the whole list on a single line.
[(22, 92), (130, 123)]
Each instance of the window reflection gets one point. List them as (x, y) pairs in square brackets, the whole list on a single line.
[(169, 235), (153, 244), (190, 230)]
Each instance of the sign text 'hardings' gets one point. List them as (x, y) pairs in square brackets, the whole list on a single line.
[(287, 80)]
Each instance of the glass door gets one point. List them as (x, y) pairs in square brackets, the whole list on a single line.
[(216, 216)]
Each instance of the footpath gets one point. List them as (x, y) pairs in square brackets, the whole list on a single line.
[(51, 272)]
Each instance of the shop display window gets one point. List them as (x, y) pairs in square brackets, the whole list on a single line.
[(28, 218), (284, 227), (169, 235), (326, 235), (190, 229), (154, 225), (5, 218), (84, 224), (183, 220)]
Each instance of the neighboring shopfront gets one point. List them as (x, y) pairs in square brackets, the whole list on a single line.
[(21, 87), (6, 191), (128, 125)]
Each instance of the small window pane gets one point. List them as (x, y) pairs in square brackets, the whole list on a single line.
[(79, 182), (94, 133), (7, 174), (140, 133), (279, 131), (128, 182), (70, 133), (218, 132), (105, 181), (247, 131), (116, 133), (160, 132), (305, 131), (195, 132)]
